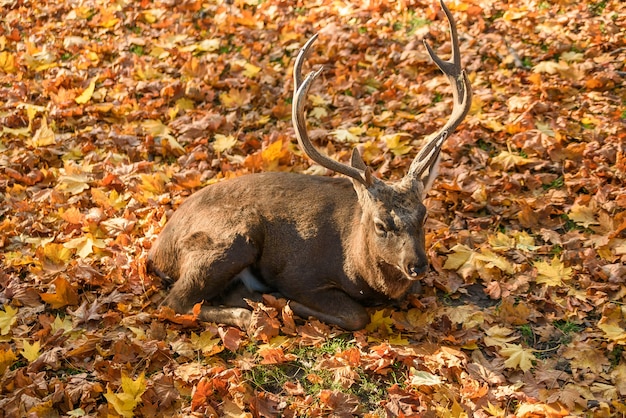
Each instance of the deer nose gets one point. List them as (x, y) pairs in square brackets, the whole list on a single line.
[(417, 269)]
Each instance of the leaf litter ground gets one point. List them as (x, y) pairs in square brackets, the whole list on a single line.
[(113, 113)]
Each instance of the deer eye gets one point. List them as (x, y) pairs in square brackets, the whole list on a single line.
[(380, 228)]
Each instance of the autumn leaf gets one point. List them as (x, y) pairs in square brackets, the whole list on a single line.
[(85, 96), (73, 183), (583, 215), (518, 357), (207, 343), (378, 321), (126, 400), (553, 273), (30, 351), (7, 358), (43, 136), (613, 323), (64, 294), (84, 245), (422, 378), (7, 319), (224, 142)]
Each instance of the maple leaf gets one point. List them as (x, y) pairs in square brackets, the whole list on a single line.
[(224, 142), (499, 336), (206, 342), (43, 136), (73, 183), (8, 317), (127, 400), (553, 273), (379, 321), (613, 322), (583, 215), (64, 324), (395, 143), (30, 351), (7, 358), (7, 62), (518, 357), (422, 378), (64, 294), (85, 96), (85, 245), (507, 160)]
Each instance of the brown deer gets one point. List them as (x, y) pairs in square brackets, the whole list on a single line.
[(329, 245)]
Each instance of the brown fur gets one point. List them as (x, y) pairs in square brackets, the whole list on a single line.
[(310, 239)]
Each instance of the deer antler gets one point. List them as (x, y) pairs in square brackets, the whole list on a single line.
[(428, 156), (301, 89)]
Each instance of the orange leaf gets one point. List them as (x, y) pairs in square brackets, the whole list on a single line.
[(65, 294)]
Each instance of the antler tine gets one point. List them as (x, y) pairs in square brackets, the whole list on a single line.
[(462, 95), (301, 89)]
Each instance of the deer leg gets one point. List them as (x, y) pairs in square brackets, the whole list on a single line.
[(207, 269), (334, 307)]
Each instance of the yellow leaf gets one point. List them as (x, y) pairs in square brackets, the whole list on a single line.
[(251, 70), (272, 154), (73, 183), (84, 245), (378, 320), (518, 357), (7, 62), (235, 98), (492, 260), (501, 241), (552, 274), (396, 145), (224, 142), (111, 200), (345, 135), (206, 342), (154, 183), (583, 215), (54, 256), (44, 135), (64, 324), (30, 351), (127, 400), (7, 358), (498, 336), (85, 96), (507, 160), (612, 323), (396, 339), (7, 319)]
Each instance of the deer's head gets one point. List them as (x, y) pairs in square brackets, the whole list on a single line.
[(393, 215)]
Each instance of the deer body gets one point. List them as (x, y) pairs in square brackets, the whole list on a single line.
[(316, 251), (330, 245)]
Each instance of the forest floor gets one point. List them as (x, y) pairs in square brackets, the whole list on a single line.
[(113, 113)]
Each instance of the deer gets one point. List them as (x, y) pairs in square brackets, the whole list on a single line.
[(331, 246)]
